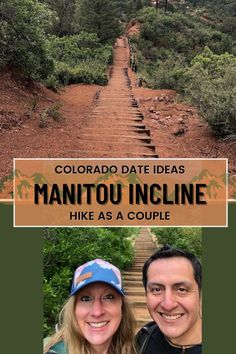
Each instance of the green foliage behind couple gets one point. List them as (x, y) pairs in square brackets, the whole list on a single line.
[(187, 238), (66, 249)]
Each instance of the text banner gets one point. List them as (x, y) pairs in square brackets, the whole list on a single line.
[(114, 192)]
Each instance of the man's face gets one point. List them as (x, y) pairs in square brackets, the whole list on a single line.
[(174, 301)]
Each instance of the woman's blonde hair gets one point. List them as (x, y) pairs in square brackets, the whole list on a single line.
[(122, 340)]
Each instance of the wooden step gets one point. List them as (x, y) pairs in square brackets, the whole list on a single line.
[(122, 130), (134, 291), (117, 154), (137, 300), (111, 137), (132, 277), (133, 283), (134, 147)]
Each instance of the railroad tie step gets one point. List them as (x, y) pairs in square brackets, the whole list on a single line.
[(116, 118), (137, 301), (119, 145), (111, 154), (124, 119), (134, 291), (121, 138), (126, 135), (121, 125), (121, 130), (130, 147)]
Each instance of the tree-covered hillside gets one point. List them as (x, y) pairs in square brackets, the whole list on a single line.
[(187, 45), (221, 12), (183, 50), (31, 32)]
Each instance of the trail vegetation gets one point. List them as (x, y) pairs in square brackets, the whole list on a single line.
[(189, 46), (191, 49)]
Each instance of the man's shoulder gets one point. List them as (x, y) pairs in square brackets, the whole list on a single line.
[(148, 328), (145, 335), (149, 339)]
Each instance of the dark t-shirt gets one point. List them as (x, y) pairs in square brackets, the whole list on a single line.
[(157, 344)]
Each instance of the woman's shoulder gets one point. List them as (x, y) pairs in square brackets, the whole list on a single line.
[(58, 348)]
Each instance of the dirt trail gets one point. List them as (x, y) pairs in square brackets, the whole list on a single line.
[(115, 126), (118, 120), (144, 248)]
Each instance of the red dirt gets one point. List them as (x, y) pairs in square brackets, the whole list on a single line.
[(22, 137), (176, 129)]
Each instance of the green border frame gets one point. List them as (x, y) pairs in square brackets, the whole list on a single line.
[(219, 293), (21, 295)]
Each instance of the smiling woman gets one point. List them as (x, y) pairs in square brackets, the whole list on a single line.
[(98, 314), (96, 319)]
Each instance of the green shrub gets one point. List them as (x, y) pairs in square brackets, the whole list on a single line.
[(169, 56), (189, 239), (62, 73), (85, 72), (65, 249), (23, 31), (79, 59), (53, 112), (169, 41), (52, 82), (89, 72), (183, 33), (164, 74), (72, 49), (210, 84)]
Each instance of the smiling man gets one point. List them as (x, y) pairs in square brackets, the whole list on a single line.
[(172, 279)]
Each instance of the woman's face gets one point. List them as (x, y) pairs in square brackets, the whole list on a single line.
[(98, 313)]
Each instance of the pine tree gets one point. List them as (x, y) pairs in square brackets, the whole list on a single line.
[(98, 16), (65, 11)]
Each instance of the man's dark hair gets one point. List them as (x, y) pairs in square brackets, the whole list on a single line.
[(168, 252)]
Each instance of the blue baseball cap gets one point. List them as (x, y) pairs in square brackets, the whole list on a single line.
[(97, 270)]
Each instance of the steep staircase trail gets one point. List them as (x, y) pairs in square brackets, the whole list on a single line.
[(144, 248), (115, 127)]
